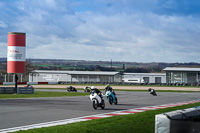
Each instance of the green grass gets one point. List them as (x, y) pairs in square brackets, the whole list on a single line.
[(59, 66), (42, 94), (53, 88), (60, 88), (143, 122)]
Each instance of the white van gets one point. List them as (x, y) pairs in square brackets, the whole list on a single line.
[(133, 80)]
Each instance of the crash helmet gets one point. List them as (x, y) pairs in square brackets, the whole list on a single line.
[(92, 88), (108, 85), (149, 89)]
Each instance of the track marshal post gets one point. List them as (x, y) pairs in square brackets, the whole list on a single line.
[(16, 54)]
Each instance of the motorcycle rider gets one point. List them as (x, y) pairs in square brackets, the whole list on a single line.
[(87, 89), (71, 88), (109, 88), (95, 90), (152, 91)]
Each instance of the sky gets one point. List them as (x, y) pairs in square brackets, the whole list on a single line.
[(117, 30)]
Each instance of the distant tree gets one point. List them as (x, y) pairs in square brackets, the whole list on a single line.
[(137, 70)]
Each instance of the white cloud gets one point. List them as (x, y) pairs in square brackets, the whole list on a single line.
[(120, 37), (3, 25), (55, 30)]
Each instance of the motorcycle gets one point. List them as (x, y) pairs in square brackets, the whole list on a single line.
[(111, 97), (86, 89), (70, 89), (97, 101), (152, 92)]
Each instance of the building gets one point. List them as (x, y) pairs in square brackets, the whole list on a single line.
[(182, 75), (95, 77), (145, 77), (74, 76)]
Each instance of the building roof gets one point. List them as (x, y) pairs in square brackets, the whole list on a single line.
[(148, 74), (181, 69), (76, 72)]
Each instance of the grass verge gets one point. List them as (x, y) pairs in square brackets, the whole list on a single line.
[(42, 94), (143, 122)]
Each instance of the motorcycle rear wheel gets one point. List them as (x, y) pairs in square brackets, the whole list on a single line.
[(110, 100), (94, 105)]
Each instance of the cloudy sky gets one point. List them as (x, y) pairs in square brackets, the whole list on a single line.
[(121, 30)]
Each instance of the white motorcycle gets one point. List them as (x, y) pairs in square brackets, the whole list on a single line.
[(97, 101)]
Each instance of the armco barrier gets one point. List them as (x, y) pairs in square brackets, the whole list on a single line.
[(179, 121), (7, 90), (31, 83), (25, 90), (43, 82), (21, 83), (8, 83)]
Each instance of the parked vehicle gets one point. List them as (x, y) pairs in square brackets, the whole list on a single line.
[(97, 101), (152, 92), (133, 80), (111, 97), (71, 89)]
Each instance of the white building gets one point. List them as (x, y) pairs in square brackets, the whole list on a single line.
[(182, 75), (73, 76), (145, 77), (95, 77)]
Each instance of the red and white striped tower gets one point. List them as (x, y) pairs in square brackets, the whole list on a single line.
[(16, 52)]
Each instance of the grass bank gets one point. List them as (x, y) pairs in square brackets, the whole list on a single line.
[(42, 94), (143, 122)]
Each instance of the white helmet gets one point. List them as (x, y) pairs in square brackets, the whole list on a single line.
[(92, 88)]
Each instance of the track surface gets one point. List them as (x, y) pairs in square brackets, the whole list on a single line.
[(21, 112)]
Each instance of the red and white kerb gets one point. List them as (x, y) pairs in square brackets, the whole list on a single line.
[(16, 52)]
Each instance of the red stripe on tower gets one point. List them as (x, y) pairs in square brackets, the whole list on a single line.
[(16, 52)]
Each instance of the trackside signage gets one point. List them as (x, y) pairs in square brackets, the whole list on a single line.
[(16, 53)]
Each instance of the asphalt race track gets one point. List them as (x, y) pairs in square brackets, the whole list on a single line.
[(21, 112)]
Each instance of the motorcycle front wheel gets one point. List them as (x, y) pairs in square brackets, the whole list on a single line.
[(110, 100), (116, 102), (103, 104)]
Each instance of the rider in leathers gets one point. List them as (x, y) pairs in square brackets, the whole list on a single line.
[(109, 88), (95, 90)]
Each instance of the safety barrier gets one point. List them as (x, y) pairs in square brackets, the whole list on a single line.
[(25, 90), (20, 90), (179, 121), (7, 90), (31, 83)]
